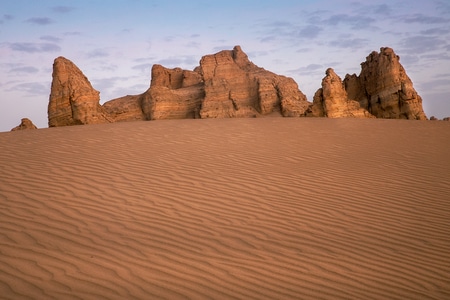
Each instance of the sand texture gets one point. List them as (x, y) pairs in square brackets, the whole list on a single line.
[(273, 208)]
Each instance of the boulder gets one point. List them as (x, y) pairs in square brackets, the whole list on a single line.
[(25, 124)]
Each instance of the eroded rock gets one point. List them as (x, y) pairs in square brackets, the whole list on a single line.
[(25, 124)]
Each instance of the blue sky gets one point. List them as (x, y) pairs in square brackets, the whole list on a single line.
[(115, 43)]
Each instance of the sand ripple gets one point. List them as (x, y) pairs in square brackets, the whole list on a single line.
[(241, 208)]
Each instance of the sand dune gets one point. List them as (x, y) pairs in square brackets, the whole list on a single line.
[(234, 208)]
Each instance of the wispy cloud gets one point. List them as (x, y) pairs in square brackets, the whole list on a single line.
[(34, 47), (31, 88), (352, 43), (28, 70), (421, 44), (6, 17), (144, 68), (40, 20), (424, 19), (62, 9), (354, 21), (50, 38), (96, 53), (310, 31)]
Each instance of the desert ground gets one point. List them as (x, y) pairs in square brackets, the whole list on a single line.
[(265, 208)]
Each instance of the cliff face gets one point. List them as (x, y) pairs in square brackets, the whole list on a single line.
[(384, 89), (73, 100)]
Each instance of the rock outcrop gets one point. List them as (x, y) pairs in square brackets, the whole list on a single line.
[(384, 89), (235, 87), (226, 84), (73, 100), (25, 124), (173, 94), (332, 100)]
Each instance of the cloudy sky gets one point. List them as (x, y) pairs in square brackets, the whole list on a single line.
[(116, 42)]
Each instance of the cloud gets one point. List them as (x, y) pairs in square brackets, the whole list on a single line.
[(144, 68), (5, 18), (423, 19), (62, 9), (311, 68), (31, 88), (50, 38), (97, 53), (178, 61), (353, 43), (435, 31), (39, 21), (29, 70), (355, 22), (70, 33), (421, 44), (310, 31), (34, 47)]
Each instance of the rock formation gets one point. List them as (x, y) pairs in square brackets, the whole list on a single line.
[(384, 89), (173, 94), (228, 85), (332, 100), (225, 84), (73, 100), (235, 87), (25, 124)]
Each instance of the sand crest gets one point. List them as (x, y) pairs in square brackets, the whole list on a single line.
[(269, 208)]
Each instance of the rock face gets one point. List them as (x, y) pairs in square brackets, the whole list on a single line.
[(384, 89), (25, 124), (225, 84), (73, 100), (235, 87), (332, 100), (173, 94)]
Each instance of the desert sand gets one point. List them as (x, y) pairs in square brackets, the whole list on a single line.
[(266, 208)]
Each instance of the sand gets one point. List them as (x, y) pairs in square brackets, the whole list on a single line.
[(268, 208)]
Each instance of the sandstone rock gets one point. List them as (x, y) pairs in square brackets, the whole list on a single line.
[(235, 87), (225, 85), (25, 124), (127, 108), (73, 100), (384, 89), (332, 100), (433, 118), (446, 119), (173, 94)]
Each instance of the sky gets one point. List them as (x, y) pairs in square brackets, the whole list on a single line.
[(116, 42)]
